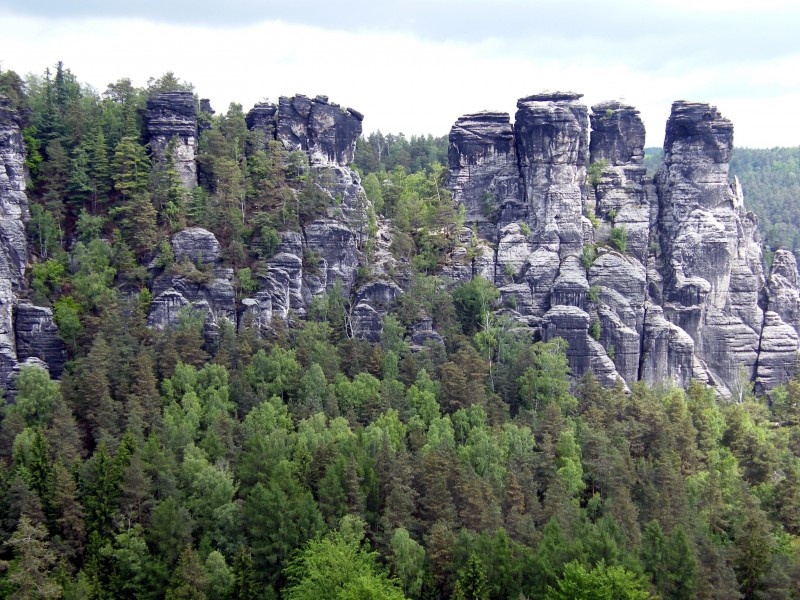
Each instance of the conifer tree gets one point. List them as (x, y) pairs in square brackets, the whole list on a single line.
[(30, 574)]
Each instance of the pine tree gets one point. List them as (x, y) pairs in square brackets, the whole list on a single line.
[(138, 220), (472, 582), (189, 579), (30, 572), (68, 511), (79, 187), (99, 169), (130, 167), (244, 576)]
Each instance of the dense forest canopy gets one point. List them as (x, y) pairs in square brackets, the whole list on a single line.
[(309, 464)]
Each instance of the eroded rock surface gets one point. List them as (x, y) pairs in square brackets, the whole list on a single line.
[(26, 331), (681, 296), (173, 115)]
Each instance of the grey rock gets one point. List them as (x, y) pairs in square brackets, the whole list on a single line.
[(617, 134), (283, 282), (617, 140), (13, 245), (712, 272), (263, 119), (324, 130), (335, 246), (667, 350), (422, 333), (37, 337), (215, 299), (383, 292), (367, 322), (570, 286), (484, 173), (174, 115), (627, 277), (256, 312), (583, 352), (777, 355), (553, 147), (197, 245), (782, 288)]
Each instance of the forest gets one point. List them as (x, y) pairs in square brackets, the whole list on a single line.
[(303, 463)]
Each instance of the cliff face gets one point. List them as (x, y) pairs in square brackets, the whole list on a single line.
[(327, 134), (645, 279), (683, 296), (173, 115), (26, 331)]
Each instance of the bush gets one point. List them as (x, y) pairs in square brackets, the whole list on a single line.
[(593, 295), (595, 174), (588, 256), (619, 238), (594, 329)]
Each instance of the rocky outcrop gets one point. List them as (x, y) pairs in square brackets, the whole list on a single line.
[(709, 245), (484, 173), (553, 147), (37, 337), (622, 196), (206, 287), (669, 284), (171, 117), (196, 245), (324, 130), (13, 246), (26, 331)]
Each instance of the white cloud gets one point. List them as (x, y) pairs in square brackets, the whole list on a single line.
[(402, 83)]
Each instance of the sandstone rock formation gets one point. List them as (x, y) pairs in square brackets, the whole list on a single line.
[(307, 263), (644, 279), (25, 331), (173, 116)]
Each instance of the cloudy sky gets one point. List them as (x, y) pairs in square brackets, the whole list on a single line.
[(417, 65)]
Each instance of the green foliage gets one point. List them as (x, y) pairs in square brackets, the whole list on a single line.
[(473, 300), (547, 378), (599, 583), (619, 238), (593, 294), (588, 256), (66, 313), (594, 329), (177, 463), (338, 568), (595, 172)]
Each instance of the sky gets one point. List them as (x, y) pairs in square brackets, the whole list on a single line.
[(415, 66)]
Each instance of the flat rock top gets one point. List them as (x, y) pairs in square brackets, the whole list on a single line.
[(484, 116), (550, 97)]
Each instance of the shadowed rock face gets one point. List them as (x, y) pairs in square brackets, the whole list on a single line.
[(687, 297), (174, 115), (552, 143), (484, 173), (709, 243), (25, 331), (324, 130), (617, 134)]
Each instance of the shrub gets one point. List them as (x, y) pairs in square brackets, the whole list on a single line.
[(588, 256), (593, 295), (595, 174), (594, 329), (619, 238)]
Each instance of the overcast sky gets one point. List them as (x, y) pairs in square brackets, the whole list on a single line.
[(416, 66)]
